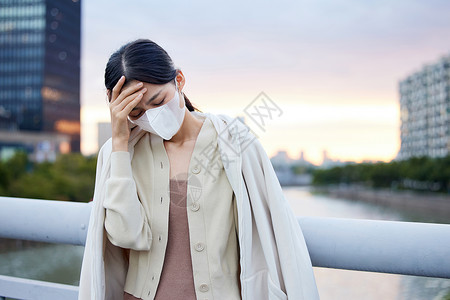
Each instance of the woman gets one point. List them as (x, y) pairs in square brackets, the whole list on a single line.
[(186, 204)]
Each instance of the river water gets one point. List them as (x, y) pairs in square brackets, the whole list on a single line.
[(62, 263)]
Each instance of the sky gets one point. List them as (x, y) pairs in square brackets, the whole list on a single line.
[(331, 67)]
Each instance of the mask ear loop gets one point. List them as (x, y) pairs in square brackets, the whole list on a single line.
[(176, 85), (176, 91)]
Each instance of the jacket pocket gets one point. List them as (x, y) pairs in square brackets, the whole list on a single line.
[(274, 291), (260, 286)]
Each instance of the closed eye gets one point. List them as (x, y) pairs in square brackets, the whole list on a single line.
[(141, 112), (136, 116)]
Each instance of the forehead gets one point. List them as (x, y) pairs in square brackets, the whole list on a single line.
[(149, 86)]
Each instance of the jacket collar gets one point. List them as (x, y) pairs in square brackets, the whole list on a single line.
[(230, 131)]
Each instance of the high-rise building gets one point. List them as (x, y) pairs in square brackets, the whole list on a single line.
[(425, 111), (40, 73)]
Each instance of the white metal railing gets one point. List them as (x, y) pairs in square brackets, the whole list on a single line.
[(46, 221), (20, 288), (409, 248)]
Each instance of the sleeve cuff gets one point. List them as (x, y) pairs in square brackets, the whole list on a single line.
[(121, 164)]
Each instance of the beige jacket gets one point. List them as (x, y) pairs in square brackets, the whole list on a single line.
[(137, 212), (274, 259)]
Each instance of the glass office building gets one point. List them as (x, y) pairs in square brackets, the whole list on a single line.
[(40, 72)]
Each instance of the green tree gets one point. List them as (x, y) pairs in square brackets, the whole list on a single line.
[(420, 169), (71, 177)]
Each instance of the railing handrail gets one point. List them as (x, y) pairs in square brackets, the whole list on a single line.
[(21, 288), (49, 221), (395, 247), (409, 248)]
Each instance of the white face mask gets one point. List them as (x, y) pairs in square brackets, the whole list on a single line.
[(164, 120)]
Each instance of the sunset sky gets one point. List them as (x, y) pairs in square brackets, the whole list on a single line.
[(331, 66)]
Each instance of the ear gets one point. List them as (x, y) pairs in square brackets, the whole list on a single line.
[(107, 93), (181, 81)]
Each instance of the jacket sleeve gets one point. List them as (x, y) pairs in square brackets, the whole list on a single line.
[(126, 222)]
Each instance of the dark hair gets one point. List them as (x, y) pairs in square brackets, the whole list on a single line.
[(142, 60)]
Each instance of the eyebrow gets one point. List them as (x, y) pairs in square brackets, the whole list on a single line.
[(152, 98)]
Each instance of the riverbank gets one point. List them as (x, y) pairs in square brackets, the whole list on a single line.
[(414, 202), (7, 245)]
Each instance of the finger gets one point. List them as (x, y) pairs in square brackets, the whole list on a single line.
[(129, 107), (119, 103), (128, 91), (116, 89), (129, 99), (125, 107)]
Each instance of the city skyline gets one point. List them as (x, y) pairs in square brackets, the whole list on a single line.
[(40, 77), (332, 67)]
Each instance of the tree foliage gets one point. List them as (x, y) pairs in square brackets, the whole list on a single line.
[(71, 177), (419, 173)]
